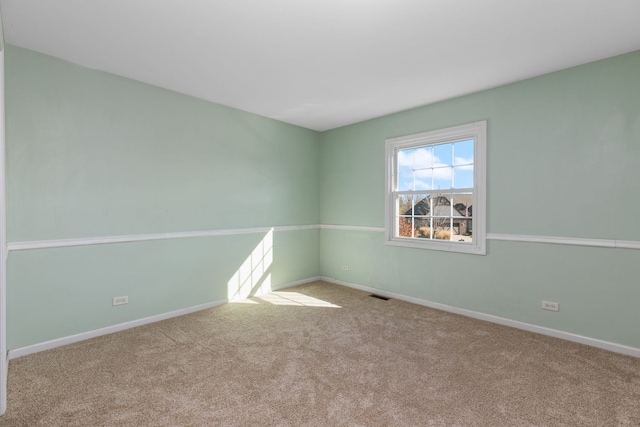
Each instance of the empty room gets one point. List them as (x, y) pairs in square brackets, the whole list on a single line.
[(320, 213)]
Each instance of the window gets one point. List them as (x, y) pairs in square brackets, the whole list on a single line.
[(436, 196)]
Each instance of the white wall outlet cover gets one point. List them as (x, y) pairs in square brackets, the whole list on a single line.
[(552, 306), (120, 300)]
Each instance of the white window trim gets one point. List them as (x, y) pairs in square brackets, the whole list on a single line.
[(476, 131)]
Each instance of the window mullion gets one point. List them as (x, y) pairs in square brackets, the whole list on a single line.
[(419, 192), (425, 167)]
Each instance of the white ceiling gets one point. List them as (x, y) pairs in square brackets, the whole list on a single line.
[(322, 64)]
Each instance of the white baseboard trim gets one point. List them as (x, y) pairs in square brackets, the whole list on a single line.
[(59, 342), (292, 284), (606, 345)]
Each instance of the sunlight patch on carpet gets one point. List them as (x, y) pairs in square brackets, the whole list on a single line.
[(294, 298)]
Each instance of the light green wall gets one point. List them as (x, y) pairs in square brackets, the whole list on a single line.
[(91, 154), (563, 157), (60, 292)]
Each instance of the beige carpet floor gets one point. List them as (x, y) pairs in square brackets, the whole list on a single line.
[(323, 355)]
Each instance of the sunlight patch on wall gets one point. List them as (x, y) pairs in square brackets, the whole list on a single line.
[(253, 277)]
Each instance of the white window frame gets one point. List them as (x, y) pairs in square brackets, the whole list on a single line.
[(476, 131)]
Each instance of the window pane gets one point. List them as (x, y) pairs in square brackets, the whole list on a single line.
[(463, 152), (404, 226), (441, 228), (405, 159), (423, 157), (442, 178), (463, 177), (441, 204), (404, 205), (423, 179), (462, 204), (424, 231), (421, 205), (442, 155), (405, 215), (405, 179), (422, 221), (462, 230)]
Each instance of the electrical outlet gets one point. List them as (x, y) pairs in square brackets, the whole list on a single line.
[(552, 306), (345, 267), (121, 300)]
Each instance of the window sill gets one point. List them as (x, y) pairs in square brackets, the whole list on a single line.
[(444, 246)]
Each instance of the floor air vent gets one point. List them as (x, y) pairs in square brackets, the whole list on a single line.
[(379, 297)]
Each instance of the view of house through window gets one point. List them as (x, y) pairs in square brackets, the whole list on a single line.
[(436, 189), (444, 172)]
